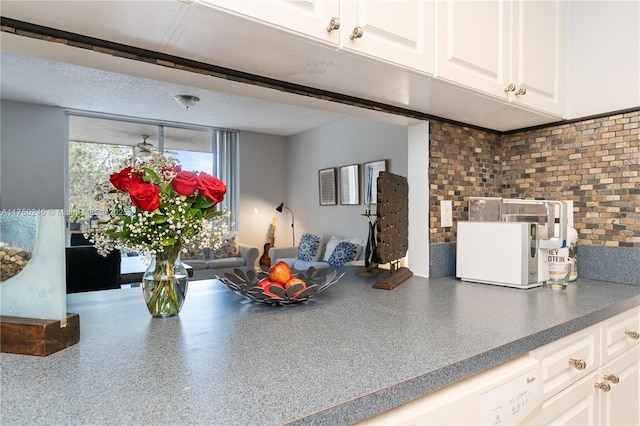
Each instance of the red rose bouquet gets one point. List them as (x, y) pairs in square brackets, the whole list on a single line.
[(155, 205)]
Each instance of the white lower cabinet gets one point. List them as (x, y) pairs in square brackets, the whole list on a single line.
[(621, 404), (505, 394), (591, 377), (596, 399), (593, 385)]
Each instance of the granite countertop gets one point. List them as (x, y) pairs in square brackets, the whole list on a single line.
[(349, 354)]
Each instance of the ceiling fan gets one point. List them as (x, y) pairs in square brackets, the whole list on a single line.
[(144, 148)]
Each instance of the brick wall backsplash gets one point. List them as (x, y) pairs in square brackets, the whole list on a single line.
[(463, 162), (595, 163)]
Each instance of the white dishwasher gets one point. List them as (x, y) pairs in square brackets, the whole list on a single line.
[(504, 395)]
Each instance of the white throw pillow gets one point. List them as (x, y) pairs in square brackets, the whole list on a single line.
[(360, 243), (330, 246), (323, 248)]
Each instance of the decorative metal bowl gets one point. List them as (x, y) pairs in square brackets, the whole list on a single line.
[(246, 285)]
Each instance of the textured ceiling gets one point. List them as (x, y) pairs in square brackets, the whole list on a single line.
[(40, 81)]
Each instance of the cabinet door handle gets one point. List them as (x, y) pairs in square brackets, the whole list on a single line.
[(334, 24), (356, 33), (633, 334), (604, 387), (521, 91), (612, 378), (510, 88), (578, 364)]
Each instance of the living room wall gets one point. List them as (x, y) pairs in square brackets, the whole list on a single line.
[(273, 169), (34, 161), (262, 187), (343, 142), (34, 156)]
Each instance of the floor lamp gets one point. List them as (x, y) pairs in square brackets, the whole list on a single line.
[(293, 229)]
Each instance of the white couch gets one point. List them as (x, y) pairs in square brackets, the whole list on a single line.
[(322, 258)]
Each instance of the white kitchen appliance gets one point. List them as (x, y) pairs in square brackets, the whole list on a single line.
[(506, 241)]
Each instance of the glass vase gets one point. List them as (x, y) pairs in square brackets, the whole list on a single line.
[(164, 283)]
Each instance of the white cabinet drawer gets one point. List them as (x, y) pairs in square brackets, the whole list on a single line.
[(560, 361), (620, 333), (578, 405)]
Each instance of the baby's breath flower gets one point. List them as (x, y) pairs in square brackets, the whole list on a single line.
[(124, 227)]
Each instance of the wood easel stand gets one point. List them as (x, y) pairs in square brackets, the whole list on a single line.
[(393, 231), (39, 337), (396, 277)]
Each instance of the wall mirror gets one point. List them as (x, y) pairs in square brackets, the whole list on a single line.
[(350, 184), (371, 171)]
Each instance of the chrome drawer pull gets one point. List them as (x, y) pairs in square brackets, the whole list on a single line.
[(633, 334), (612, 378), (604, 387), (579, 364)]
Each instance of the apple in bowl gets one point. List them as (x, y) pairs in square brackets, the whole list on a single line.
[(280, 272), (294, 286)]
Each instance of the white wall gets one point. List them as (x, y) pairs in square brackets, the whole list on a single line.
[(603, 47), (343, 142), (418, 179), (34, 155), (262, 188)]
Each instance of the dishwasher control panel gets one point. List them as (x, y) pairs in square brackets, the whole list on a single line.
[(510, 402), (506, 394)]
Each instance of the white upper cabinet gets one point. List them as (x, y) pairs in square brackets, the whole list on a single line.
[(451, 59), (538, 61), (311, 18), (508, 49), (400, 32), (473, 44)]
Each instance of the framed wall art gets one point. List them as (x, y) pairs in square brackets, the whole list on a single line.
[(327, 186), (350, 184), (371, 170)]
